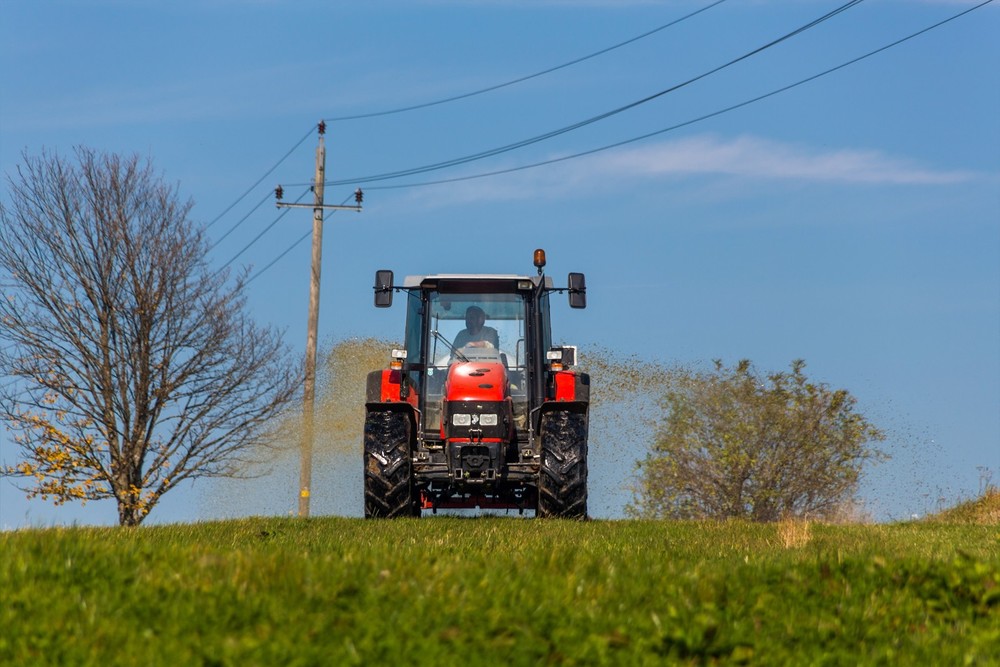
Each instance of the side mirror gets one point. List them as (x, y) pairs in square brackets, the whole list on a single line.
[(383, 289), (577, 291)]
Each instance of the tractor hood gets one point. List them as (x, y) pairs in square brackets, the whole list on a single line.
[(476, 381)]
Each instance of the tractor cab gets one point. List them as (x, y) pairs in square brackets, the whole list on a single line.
[(438, 345)]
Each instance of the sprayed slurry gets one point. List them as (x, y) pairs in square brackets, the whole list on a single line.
[(622, 419), (337, 487), (624, 412)]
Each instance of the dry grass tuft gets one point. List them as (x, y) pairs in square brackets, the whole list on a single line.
[(981, 511), (794, 533)]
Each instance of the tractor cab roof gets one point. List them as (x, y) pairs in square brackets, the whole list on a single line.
[(475, 282)]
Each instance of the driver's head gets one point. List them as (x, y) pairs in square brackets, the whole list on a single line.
[(475, 318)]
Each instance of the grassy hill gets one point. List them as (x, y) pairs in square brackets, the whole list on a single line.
[(453, 591)]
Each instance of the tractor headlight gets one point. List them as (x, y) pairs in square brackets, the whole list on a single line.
[(464, 419)]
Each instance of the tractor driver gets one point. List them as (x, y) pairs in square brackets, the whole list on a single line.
[(475, 334)]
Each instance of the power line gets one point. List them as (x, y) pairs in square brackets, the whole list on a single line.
[(240, 221), (259, 180), (443, 101), (288, 249), (528, 77), (593, 119), (278, 258), (640, 137), (686, 123), (264, 231)]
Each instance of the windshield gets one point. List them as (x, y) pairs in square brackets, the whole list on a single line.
[(474, 327), (480, 326)]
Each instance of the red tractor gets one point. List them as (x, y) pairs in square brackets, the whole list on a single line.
[(479, 409)]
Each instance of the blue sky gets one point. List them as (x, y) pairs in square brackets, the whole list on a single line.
[(852, 221)]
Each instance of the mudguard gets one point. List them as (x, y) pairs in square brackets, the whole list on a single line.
[(570, 386), (384, 392)]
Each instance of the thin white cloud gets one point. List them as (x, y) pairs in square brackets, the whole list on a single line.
[(754, 157), (745, 158)]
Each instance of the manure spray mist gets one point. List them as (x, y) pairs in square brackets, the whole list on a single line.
[(271, 486), (623, 414)]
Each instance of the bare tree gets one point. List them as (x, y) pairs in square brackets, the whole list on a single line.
[(130, 365), (738, 444)]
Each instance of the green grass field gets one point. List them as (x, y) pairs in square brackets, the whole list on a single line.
[(488, 591)]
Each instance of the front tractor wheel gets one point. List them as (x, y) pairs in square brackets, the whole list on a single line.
[(562, 480), (389, 489)]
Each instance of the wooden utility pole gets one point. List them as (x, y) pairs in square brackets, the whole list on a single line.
[(309, 385)]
